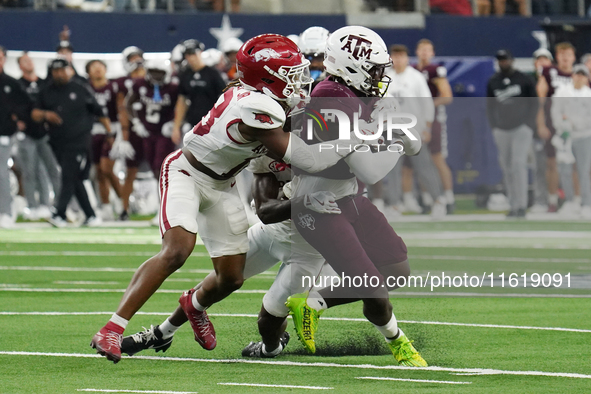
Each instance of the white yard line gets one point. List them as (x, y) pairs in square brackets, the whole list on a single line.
[(137, 391), (84, 282), (283, 386), (501, 259), (262, 291), (413, 380), (351, 319), (102, 269), (479, 371)]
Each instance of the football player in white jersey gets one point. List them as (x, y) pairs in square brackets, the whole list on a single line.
[(197, 184), (270, 241)]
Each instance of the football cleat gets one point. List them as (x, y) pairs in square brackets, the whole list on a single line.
[(150, 338), (305, 319), (202, 326), (107, 342), (255, 349), (405, 353)]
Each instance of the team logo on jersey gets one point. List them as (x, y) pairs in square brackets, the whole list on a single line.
[(306, 221), (278, 166), (266, 54), (72, 96), (358, 47), (7, 89), (263, 118)]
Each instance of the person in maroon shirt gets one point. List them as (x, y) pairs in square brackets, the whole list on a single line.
[(150, 104), (550, 79), (436, 76), (105, 93), (133, 63)]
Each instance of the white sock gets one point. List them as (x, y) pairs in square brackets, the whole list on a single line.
[(449, 196), (398, 335), (274, 352), (390, 330), (316, 301), (553, 199), (167, 329), (119, 320), (196, 303)]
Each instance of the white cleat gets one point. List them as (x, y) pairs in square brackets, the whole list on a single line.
[(569, 209), (43, 212), (586, 212), (57, 221), (92, 221), (538, 208), (439, 210), (6, 221)]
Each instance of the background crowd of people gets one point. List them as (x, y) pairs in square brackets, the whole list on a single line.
[(59, 131)]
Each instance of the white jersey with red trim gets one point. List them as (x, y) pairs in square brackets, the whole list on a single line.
[(216, 141)]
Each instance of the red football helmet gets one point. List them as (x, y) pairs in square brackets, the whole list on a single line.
[(273, 64)]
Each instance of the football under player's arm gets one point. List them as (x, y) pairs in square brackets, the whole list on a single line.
[(180, 111), (269, 208), (293, 150), (445, 94)]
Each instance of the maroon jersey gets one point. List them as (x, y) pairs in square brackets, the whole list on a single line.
[(106, 96), (124, 84), (155, 109), (555, 78), (333, 95), (430, 72)]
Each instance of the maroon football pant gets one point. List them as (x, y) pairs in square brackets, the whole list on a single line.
[(153, 149), (357, 243)]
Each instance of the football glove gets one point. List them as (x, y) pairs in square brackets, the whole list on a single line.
[(121, 149), (384, 107), (139, 128), (322, 202)]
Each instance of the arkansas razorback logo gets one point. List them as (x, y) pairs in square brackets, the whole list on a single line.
[(263, 118)]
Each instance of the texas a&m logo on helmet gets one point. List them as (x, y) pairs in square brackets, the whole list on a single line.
[(357, 46)]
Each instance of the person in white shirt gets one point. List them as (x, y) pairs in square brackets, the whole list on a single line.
[(409, 86), (571, 115)]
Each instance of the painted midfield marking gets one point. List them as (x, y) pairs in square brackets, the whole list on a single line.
[(351, 319), (479, 371)]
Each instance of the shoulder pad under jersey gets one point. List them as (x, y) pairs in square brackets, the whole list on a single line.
[(261, 111)]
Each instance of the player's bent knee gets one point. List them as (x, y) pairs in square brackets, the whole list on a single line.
[(175, 256)]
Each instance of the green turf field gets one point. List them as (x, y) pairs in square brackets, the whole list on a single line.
[(58, 287)]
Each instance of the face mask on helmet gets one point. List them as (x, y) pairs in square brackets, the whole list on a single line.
[(377, 83), (297, 80)]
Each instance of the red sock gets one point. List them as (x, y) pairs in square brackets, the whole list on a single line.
[(114, 327)]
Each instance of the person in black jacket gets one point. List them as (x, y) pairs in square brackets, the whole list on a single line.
[(14, 105), (511, 116), (69, 108)]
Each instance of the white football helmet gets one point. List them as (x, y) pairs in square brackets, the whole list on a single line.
[(127, 53), (359, 57), (157, 71), (312, 41)]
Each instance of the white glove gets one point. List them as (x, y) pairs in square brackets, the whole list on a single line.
[(121, 149), (411, 147), (564, 149), (384, 106), (139, 128), (167, 129), (322, 202)]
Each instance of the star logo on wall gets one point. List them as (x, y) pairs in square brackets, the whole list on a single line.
[(225, 31)]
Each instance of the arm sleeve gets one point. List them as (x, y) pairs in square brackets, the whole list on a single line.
[(371, 168), (314, 158)]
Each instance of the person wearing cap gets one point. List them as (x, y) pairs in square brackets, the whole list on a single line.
[(571, 116), (511, 117), (34, 151), (199, 88), (14, 105), (69, 108)]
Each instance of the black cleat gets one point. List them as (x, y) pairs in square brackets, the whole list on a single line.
[(149, 339), (255, 349), (124, 216)]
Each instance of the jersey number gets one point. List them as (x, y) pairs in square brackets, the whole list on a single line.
[(153, 113)]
